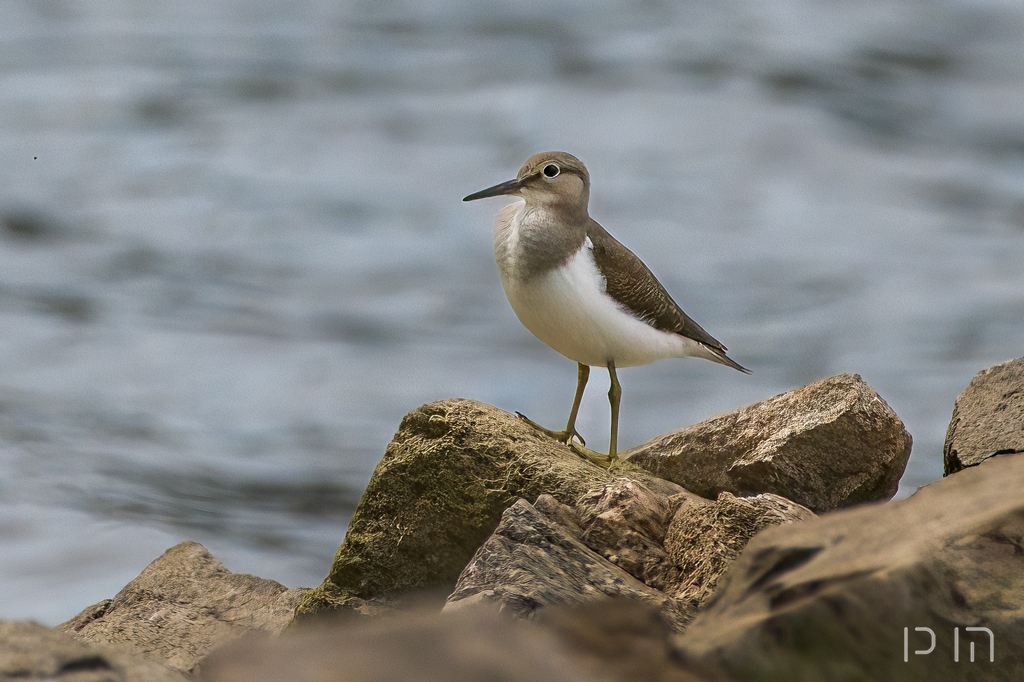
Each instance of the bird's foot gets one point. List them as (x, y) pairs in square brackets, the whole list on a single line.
[(565, 436), (602, 460)]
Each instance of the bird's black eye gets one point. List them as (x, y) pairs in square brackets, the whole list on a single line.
[(551, 170)]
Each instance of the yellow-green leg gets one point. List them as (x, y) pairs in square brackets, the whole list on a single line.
[(582, 375), (614, 394)]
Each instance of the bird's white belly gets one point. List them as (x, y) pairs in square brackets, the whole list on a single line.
[(568, 309)]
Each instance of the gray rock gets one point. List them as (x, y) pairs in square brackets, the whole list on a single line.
[(832, 598), (183, 605), (445, 479), (705, 536), (531, 562), (988, 417), (830, 444), (29, 652)]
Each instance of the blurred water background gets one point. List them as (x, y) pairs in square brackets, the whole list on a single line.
[(233, 252)]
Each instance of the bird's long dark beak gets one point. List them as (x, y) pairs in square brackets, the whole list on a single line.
[(510, 187)]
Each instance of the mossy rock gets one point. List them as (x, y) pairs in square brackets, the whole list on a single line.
[(451, 470)]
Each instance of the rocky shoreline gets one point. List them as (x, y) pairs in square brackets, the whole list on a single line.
[(756, 545)]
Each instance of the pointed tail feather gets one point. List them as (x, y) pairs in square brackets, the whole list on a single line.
[(721, 358)]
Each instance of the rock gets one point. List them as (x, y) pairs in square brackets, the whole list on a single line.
[(704, 537), (85, 616), (833, 597), (677, 544), (621, 639), (988, 418), (674, 547), (625, 522), (614, 641), (445, 479), (830, 444), (29, 651), (183, 605), (561, 514), (531, 562), (419, 645)]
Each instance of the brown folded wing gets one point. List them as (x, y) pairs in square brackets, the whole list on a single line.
[(637, 290)]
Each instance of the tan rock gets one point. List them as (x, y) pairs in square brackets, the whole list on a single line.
[(612, 641), (673, 548), (678, 544), (833, 597), (31, 652), (830, 444), (420, 645), (988, 418), (625, 522), (445, 479), (705, 536), (562, 514), (531, 562), (183, 605), (622, 639)]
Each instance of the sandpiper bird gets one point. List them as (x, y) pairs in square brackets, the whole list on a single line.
[(582, 292)]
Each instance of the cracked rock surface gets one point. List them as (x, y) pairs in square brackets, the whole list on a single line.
[(619, 540), (988, 418), (830, 598), (30, 652), (830, 444), (183, 605)]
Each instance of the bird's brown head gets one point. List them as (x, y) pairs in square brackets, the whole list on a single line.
[(547, 179)]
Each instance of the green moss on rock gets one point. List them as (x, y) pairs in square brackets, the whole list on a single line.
[(451, 470)]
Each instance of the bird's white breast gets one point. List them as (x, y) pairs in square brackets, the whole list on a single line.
[(568, 308)]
